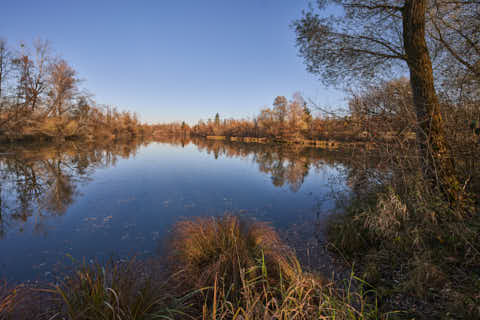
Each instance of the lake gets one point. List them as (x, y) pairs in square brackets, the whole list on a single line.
[(83, 202)]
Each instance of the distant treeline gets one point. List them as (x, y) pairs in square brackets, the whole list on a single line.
[(381, 113), (286, 120), (40, 99)]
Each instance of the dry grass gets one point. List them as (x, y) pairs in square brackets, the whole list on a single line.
[(125, 291), (418, 251), (388, 217), (307, 297), (9, 299), (225, 268), (240, 269), (228, 248), (98, 293)]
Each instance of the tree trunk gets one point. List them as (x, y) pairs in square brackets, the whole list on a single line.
[(1, 78), (438, 167), (34, 102)]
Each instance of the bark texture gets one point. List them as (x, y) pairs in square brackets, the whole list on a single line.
[(438, 166)]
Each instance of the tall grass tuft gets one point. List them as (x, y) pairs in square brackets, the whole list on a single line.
[(115, 291), (306, 297), (223, 268), (240, 269), (230, 250)]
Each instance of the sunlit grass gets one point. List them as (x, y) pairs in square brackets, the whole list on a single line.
[(230, 250), (240, 269), (115, 291), (307, 297), (220, 268)]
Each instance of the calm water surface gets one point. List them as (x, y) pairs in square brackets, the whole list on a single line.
[(61, 204)]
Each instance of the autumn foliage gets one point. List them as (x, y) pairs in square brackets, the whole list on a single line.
[(41, 99)]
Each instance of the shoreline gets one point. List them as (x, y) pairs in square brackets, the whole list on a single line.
[(323, 144)]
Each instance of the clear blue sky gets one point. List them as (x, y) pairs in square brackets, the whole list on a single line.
[(177, 59)]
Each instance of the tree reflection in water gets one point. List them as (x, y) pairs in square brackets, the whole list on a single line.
[(42, 181), (290, 164)]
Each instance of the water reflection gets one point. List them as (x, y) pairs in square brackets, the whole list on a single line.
[(42, 181), (94, 200), (289, 164), (285, 164)]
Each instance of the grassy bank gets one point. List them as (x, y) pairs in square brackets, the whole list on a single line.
[(218, 268), (421, 254)]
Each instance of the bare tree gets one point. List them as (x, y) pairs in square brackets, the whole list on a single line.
[(372, 38), (455, 26), (392, 99), (32, 73), (5, 57), (382, 113), (62, 87)]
